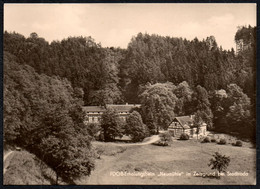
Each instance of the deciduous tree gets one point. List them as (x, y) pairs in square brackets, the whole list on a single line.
[(157, 105), (111, 125), (135, 127)]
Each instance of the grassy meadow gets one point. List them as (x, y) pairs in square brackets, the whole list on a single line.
[(177, 163)]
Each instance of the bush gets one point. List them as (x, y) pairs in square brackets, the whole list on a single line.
[(213, 140), (238, 143), (165, 139), (206, 140), (219, 162), (160, 143), (184, 136), (94, 130), (222, 141)]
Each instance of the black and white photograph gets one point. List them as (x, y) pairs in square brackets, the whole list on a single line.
[(129, 93)]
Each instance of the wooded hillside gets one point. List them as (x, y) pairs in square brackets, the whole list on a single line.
[(46, 84)]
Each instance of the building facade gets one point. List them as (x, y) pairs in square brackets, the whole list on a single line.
[(185, 124), (94, 113)]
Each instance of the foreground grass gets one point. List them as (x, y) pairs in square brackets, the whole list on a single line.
[(26, 169), (181, 157)]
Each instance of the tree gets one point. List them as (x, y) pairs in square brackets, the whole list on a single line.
[(135, 127), (109, 94), (111, 125), (94, 130), (183, 92), (239, 115), (157, 105), (68, 155), (34, 35), (44, 116), (219, 106), (219, 162), (198, 121), (201, 105)]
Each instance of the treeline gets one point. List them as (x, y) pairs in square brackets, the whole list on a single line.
[(83, 62), (114, 75), (152, 58)]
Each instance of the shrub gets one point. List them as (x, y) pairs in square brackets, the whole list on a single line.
[(160, 143), (238, 143), (206, 140), (184, 136), (213, 140), (222, 141), (219, 162), (94, 130), (101, 137), (165, 139)]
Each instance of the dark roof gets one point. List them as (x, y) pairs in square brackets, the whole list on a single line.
[(94, 109), (123, 107), (117, 107), (186, 121)]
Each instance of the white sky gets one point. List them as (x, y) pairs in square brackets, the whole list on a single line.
[(115, 24)]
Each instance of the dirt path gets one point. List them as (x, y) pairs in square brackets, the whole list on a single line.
[(5, 157), (150, 140), (7, 154), (101, 174)]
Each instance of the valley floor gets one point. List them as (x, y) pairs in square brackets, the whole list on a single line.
[(142, 164)]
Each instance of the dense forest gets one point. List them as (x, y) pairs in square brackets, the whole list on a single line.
[(113, 75), (45, 85)]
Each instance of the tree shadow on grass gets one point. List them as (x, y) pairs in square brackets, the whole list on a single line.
[(122, 141)]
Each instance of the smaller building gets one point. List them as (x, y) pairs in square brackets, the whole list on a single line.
[(185, 124)]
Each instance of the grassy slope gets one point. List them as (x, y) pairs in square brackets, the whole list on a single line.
[(25, 169), (181, 156)]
